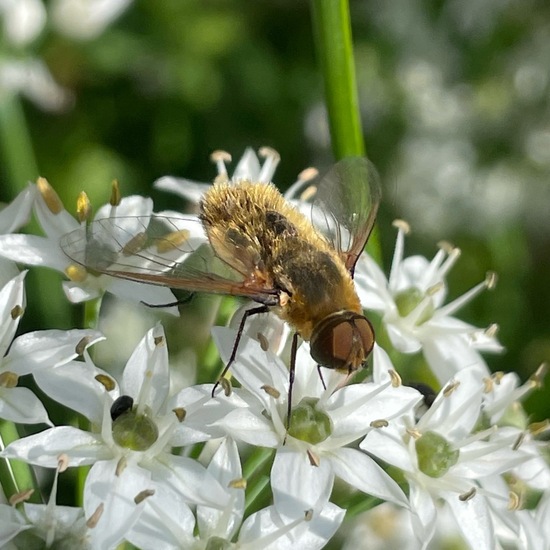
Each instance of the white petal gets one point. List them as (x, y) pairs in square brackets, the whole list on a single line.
[(146, 376), (424, 514), (53, 225), (248, 167), (127, 212), (17, 213), (166, 523), (188, 189), (401, 339), (253, 367), (141, 292), (297, 485), (115, 491), (22, 406), (250, 427), (76, 293), (225, 466), (47, 348), (11, 295), (74, 386), (33, 250), (387, 444), (189, 478), (44, 448), (12, 522), (473, 518), (362, 472)]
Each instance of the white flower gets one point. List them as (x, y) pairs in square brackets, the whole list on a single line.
[(45, 251), (23, 20), (130, 442), (411, 303), (323, 423), (86, 19), (65, 526), (12, 217), (442, 457), (176, 528), (29, 354)]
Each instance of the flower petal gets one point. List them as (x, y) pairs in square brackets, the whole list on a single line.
[(22, 406)]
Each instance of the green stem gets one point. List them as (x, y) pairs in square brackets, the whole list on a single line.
[(15, 476), (331, 23), (16, 145), (255, 471), (91, 313)]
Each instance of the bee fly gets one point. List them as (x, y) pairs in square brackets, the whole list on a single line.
[(261, 247)]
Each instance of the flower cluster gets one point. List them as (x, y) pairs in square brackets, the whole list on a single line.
[(197, 467)]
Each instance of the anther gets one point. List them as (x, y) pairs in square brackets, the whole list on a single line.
[(271, 391), (106, 381), (83, 207), (95, 517), (450, 388), (115, 198), (468, 495), (402, 225), (395, 378), (314, 459), (51, 198)]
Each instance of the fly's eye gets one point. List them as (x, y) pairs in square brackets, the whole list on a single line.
[(342, 341)]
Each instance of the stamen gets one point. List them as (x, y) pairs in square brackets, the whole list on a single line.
[(296, 189), (308, 515), (106, 381), (271, 391), (488, 385), (537, 379), (518, 441), (142, 495), (115, 197), (395, 378), (468, 495), (220, 158), (62, 462), (272, 158), (18, 498), (314, 459), (51, 198), (76, 273), (537, 428), (121, 466), (414, 433), (8, 379), (514, 501), (95, 517), (226, 386), (382, 423), (180, 413), (83, 207), (239, 483), (17, 311), (403, 229), (451, 387), (264, 342), (82, 345), (468, 296), (451, 260)]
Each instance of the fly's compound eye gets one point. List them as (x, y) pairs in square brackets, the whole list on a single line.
[(342, 341)]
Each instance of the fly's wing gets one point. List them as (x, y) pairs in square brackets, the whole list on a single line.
[(162, 250), (345, 204)]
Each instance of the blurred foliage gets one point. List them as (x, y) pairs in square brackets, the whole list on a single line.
[(454, 98)]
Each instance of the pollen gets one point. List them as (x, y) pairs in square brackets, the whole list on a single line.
[(173, 241), (402, 225), (8, 379), (82, 345), (83, 207), (76, 273), (51, 198), (135, 244)]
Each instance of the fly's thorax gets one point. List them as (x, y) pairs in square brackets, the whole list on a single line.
[(342, 341)]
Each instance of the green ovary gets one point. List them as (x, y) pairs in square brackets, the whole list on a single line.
[(309, 424), (435, 454)]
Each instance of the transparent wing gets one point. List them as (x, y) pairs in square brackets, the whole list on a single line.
[(162, 250), (345, 204)]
